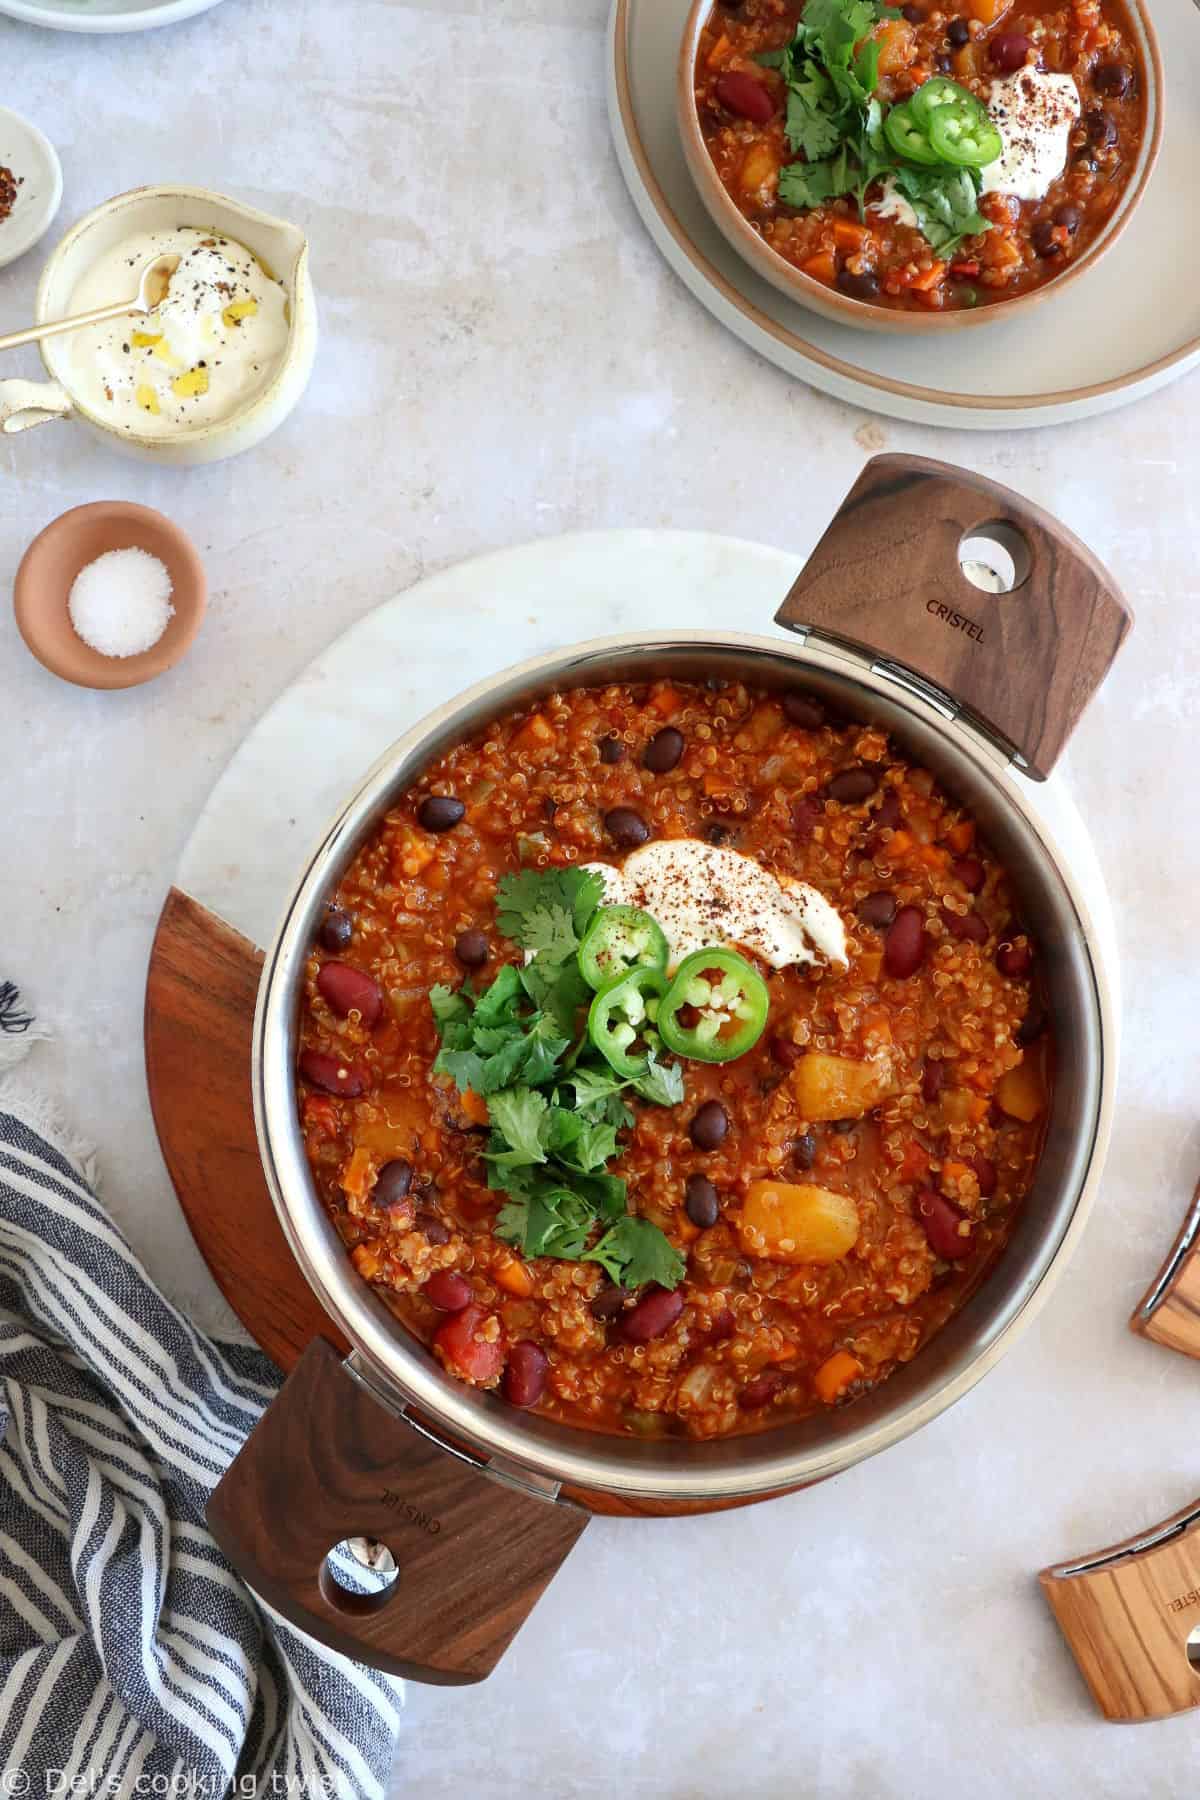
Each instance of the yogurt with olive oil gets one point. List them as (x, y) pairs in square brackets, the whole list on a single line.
[(215, 341)]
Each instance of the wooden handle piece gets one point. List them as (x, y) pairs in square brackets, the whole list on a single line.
[(886, 579), (1169, 1310), (325, 1463), (1128, 1612)]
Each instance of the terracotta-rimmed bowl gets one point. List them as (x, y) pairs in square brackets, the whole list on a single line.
[(55, 557), (862, 313)]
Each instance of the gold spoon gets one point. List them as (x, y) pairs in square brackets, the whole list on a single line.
[(152, 289)]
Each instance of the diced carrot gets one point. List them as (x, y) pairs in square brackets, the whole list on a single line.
[(666, 701), (534, 734), (514, 1278), (1021, 1093), (717, 785), (850, 236), (835, 1375), (960, 837), (928, 278), (409, 855), (684, 1228), (358, 1176), (897, 47), (933, 856), (366, 1259), (821, 267), (760, 168), (914, 1164), (899, 844), (954, 1171), (718, 53), (987, 11), (966, 62), (475, 1107), (786, 1353), (870, 963)]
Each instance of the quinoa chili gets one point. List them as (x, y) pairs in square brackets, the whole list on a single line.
[(875, 256), (907, 1092)]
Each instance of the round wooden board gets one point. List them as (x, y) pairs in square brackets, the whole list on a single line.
[(242, 855)]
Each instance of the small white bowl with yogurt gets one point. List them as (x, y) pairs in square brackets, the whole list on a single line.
[(215, 367)]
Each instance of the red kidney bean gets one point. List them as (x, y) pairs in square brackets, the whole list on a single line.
[(471, 949), (904, 945), (723, 1326), (525, 1375), (1101, 128), (971, 872), (393, 1182), (439, 812), (745, 95), (1009, 50), (803, 710), (786, 1053), (985, 1174), (473, 1357), (652, 1316), (958, 33), (447, 1291), (806, 811), (1014, 959), (433, 1229), (609, 1302), (709, 1125), (878, 909), (887, 814), (1069, 217), (337, 930), (804, 1151), (612, 750), (943, 1226), (933, 1080), (331, 1074), (663, 751), (756, 1393), (625, 827), (348, 990), (1114, 79), (1043, 239), (969, 926), (850, 787), (1033, 1024), (702, 1203), (861, 286)]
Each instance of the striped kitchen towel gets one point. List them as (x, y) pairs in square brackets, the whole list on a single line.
[(132, 1659)]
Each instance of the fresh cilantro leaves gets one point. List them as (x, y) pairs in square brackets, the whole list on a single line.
[(555, 1108), (834, 121)]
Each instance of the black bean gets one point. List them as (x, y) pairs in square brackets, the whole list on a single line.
[(863, 286), (549, 806), (803, 710), (850, 787), (709, 1125), (702, 1203), (958, 33), (843, 1127), (716, 834), (1033, 1024), (942, 63), (664, 751), (612, 750), (609, 1301), (471, 949), (804, 1151), (440, 812), (337, 930), (1114, 79), (1043, 239), (1101, 128), (1068, 217), (914, 14), (435, 1231), (393, 1182), (625, 827), (878, 909)]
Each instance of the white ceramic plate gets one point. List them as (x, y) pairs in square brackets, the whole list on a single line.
[(103, 15), (1129, 326), (34, 162)]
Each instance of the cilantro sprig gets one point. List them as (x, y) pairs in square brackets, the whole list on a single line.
[(554, 1106), (834, 121)]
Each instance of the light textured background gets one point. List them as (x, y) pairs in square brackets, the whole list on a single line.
[(506, 357)]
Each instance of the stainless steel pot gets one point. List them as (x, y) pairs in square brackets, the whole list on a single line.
[(929, 507)]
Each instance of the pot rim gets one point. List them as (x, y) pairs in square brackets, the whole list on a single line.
[(498, 1432)]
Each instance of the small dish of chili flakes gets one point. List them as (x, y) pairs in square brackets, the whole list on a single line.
[(30, 185)]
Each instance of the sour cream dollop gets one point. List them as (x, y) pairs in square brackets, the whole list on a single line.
[(1034, 111), (702, 895), (892, 204)]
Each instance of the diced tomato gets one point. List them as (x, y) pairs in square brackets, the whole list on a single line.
[(465, 1353)]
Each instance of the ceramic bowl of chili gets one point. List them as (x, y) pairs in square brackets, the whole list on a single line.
[(850, 156)]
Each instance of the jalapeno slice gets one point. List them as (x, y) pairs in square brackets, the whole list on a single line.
[(618, 939), (907, 137), (715, 1008), (620, 1015), (967, 142)]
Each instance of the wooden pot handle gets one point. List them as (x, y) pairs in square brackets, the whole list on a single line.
[(1169, 1310), (885, 578), (328, 1462), (1127, 1613)]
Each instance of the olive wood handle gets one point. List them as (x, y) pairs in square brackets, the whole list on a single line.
[(1169, 1310), (885, 578), (1127, 1613), (327, 1462)]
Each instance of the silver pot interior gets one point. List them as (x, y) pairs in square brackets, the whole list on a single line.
[(961, 1352)]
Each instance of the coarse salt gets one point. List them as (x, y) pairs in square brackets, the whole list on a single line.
[(120, 604)]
